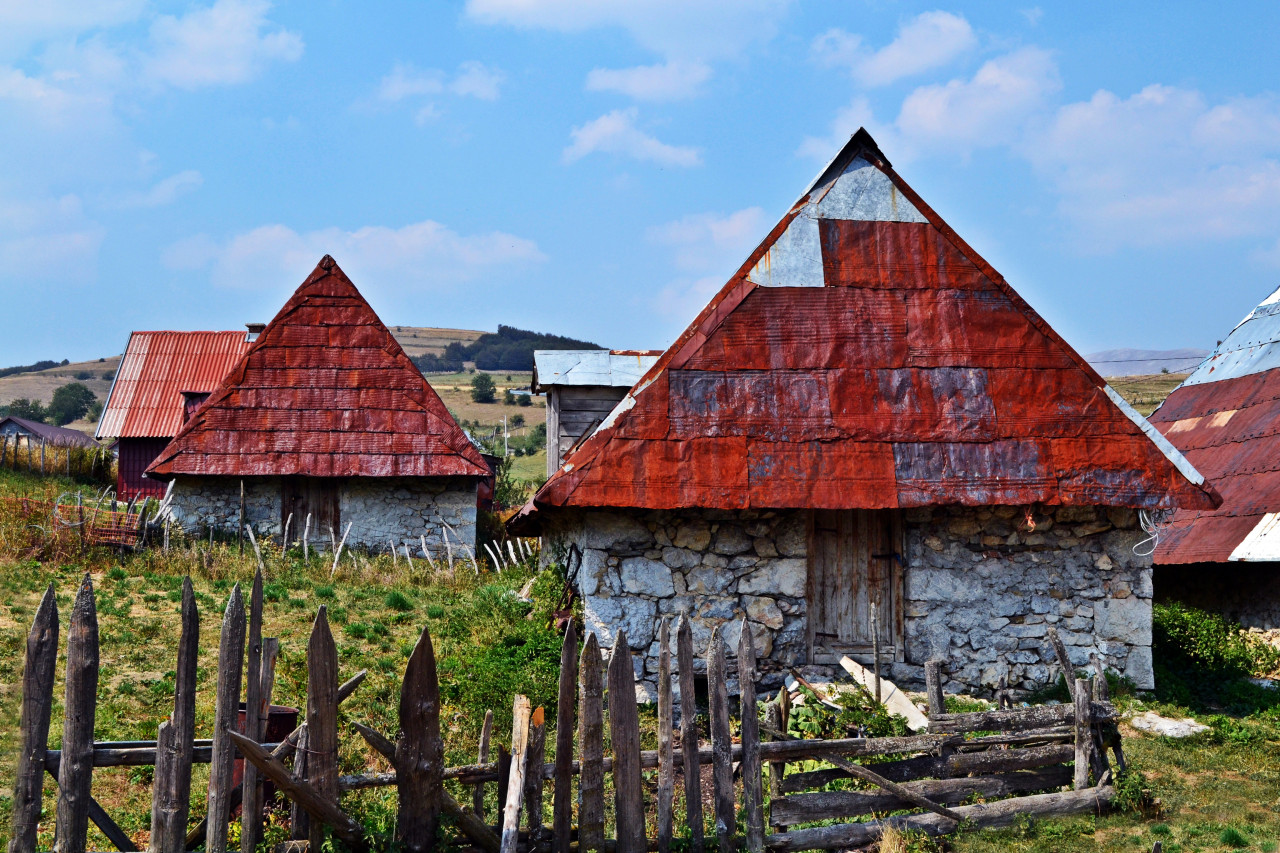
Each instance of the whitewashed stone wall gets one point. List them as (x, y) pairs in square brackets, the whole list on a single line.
[(980, 588), (400, 509)]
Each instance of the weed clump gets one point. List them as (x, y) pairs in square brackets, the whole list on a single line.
[(1197, 653), (1231, 837), (398, 601)]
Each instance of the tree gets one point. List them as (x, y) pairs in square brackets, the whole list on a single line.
[(32, 410), (70, 402), (483, 389)]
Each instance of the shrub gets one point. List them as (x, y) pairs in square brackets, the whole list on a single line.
[(1231, 837), (1202, 659), (483, 390), (397, 600), (70, 402)]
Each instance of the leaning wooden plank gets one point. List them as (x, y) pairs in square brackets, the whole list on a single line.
[(520, 713), (33, 727), (1018, 719), (836, 805), (255, 722), (866, 775), (486, 732), (226, 710), (666, 765), (322, 717), (1064, 662), (419, 751), (323, 810), (891, 697), (75, 772), (171, 797), (562, 804), (752, 772), (982, 815), (721, 743), (624, 734), (591, 742), (689, 735)]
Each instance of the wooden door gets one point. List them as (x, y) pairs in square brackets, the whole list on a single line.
[(320, 496), (855, 560)]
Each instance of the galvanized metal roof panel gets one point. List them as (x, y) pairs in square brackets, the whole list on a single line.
[(1262, 545), (613, 368), (1252, 347), (325, 391), (914, 376), (145, 400)]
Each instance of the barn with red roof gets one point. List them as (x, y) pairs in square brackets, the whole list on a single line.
[(868, 417), (330, 428)]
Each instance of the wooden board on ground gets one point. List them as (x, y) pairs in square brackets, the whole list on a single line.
[(894, 699)]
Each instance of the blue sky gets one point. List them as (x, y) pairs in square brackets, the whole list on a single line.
[(598, 169)]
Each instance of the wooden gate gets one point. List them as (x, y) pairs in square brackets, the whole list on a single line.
[(319, 497), (855, 567)]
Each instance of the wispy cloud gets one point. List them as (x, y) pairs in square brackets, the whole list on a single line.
[(667, 81), (616, 133), (706, 249), (928, 41), (166, 191), (406, 82), (228, 42)]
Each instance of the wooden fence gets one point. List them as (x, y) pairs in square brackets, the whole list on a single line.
[(1013, 760), (47, 458)]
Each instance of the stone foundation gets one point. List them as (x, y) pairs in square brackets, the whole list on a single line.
[(980, 587), (382, 510)]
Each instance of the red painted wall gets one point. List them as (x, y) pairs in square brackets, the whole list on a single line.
[(135, 455)]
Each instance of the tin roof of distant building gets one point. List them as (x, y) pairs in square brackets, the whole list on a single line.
[(617, 368), (55, 435)]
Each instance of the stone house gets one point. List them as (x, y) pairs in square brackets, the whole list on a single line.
[(326, 417), (1222, 417), (868, 414)]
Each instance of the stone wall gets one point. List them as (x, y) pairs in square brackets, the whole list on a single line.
[(981, 587), (400, 509)]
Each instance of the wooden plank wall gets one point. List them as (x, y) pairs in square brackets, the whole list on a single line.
[(571, 411)]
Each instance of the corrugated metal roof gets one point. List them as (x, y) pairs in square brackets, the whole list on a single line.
[(616, 368), (1226, 418), (914, 375), (55, 435), (145, 400), (324, 391)]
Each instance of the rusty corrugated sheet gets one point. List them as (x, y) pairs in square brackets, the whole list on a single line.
[(324, 391), (865, 356), (146, 396), (1226, 419)]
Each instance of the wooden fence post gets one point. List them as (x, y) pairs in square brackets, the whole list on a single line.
[(75, 771), (240, 526), (171, 785), (1084, 733), (226, 710), (254, 723), (322, 718), (624, 735), (486, 732), (591, 744), (419, 751), (299, 818), (666, 757), (721, 743), (689, 735), (37, 701), (533, 774), (515, 784), (777, 769), (752, 782), (933, 687), (562, 802)]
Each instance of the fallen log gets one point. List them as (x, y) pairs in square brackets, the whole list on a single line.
[(981, 815)]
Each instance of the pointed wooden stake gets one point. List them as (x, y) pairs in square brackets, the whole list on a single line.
[(37, 702)]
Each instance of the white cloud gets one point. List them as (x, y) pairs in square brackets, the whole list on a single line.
[(407, 82), (707, 249), (1163, 165), (1032, 15), (49, 239), (228, 42), (667, 81), (856, 114), (930, 40), (477, 80), (987, 110), (425, 255), (697, 29), (25, 21), (616, 133), (166, 191)]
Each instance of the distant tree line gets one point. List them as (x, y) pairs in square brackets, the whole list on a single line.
[(507, 349), (32, 368), (71, 402)]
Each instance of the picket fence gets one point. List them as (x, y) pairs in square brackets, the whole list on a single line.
[(1012, 761)]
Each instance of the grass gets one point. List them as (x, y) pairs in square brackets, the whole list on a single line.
[(1145, 393)]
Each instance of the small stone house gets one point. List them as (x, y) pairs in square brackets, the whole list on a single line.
[(868, 414), (1223, 418), (325, 416)]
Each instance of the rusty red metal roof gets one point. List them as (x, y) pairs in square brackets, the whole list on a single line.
[(145, 400), (865, 356), (1226, 419), (324, 391)]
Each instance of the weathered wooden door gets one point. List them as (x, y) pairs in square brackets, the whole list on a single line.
[(854, 561), (320, 496)]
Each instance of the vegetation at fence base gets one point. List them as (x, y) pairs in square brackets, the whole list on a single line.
[(1205, 661), (859, 716)]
